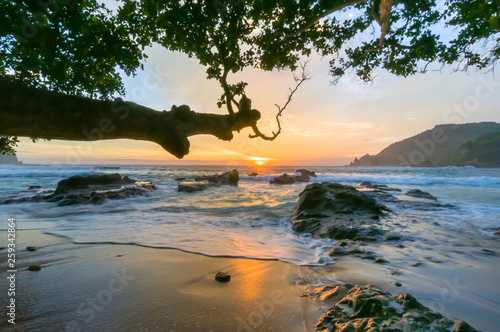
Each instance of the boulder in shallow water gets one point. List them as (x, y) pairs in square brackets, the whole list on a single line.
[(253, 174), (191, 187), (306, 172), (231, 177), (34, 187), (337, 211), (77, 182), (283, 179), (417, 193)]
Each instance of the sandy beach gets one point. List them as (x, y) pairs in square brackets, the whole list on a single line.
[(109, 287)]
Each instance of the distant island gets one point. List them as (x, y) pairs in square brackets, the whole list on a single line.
[(470, 144), (9, 160)]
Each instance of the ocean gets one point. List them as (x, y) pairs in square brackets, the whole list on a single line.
[(249, 220)]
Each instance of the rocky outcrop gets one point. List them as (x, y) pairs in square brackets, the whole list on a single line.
[(381, 187), (417, 193), (474, 144), (336, 211), (93, 189), (306, 172), (231, 177), (203, 182), (6, 159), (283, 179), (191, 187), (78, 182), (303, 176), (368, 308)]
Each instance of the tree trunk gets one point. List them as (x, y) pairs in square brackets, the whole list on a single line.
[(34, 112)]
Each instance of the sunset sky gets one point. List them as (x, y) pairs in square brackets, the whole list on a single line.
[(324, 124)]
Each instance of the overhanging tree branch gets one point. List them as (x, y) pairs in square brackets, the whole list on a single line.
[(32, 112)]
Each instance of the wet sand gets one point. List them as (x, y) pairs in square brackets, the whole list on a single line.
[(109, 287)]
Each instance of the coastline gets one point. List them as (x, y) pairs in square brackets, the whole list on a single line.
[(106, 287)]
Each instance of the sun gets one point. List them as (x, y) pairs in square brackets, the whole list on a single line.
[(260, 162)]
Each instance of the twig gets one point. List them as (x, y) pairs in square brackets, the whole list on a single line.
[(304, 76)]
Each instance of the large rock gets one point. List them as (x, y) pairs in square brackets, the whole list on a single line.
[(337, 211), (306, 172), (204, 182), (231, 177), (283, 179), (290, 179), (94, 189), (191, 187), (78, 182), (368, 308)]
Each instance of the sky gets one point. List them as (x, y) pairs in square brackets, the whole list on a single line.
[(324, 125)]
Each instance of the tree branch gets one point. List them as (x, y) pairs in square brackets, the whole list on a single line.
[(33, 112), (299, 80), (327, 12)]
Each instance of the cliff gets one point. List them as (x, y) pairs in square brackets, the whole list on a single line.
[(470, 144)]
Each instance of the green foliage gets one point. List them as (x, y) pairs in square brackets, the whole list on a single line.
[(79, 47), (8, 144)]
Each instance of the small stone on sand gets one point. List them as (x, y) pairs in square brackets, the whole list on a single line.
[(222, 277), (397, 284), (32, 248), (35, 268), (415, 264)]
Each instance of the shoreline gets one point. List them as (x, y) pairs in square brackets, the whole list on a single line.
[(79, 288)]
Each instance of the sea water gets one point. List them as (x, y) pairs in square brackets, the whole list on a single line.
[(249, 220)]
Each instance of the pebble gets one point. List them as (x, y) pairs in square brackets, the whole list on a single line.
[(415, 264), (35, 268), (397, 284), (222, 277), (31, 248), (393, 272)]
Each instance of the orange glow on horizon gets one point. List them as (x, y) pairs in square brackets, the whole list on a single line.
[(260, 162)]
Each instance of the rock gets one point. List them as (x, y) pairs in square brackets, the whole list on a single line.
[(397, 284), (368, 308), (489, 252), (190, 187), (77, 182), (462, 326), (34, 268), (301, 178), (393, 272), (31, 248), (128, 180), (338, 251), (306, 172), (283, 179), (415, 264), (222, 277), (336, 211), (204, 182), (253, 174), (34, 187), (381, 187), (231, 177), (380, 260), (180, 179), (391, 237), (420, 194)]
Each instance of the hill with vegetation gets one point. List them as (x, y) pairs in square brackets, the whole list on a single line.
[(470, 144)]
